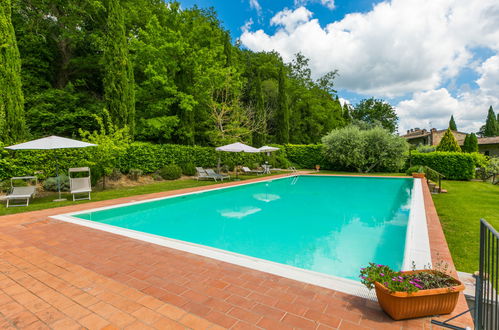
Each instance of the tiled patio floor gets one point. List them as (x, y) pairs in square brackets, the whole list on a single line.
[(63, 276)]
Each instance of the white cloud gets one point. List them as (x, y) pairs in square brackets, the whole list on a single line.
[(289, 20), (326, 3), (434, 107), (247, 25), (254, 4), (400, 47)]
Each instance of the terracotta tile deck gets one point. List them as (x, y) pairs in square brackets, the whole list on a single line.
[(56, 275)]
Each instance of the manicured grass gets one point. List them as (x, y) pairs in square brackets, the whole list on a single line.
[(47, 201), (460, 211), (357, 173)]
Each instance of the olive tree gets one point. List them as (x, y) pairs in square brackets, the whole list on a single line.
[(365, 150)]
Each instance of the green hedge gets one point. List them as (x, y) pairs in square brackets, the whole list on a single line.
[(454, 165), (306, 156), (147, 157)]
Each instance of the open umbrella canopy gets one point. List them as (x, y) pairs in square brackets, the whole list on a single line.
[(49, 143), (237, 147), (267, 149)]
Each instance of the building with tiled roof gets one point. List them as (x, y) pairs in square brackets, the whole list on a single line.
[(417, 136)]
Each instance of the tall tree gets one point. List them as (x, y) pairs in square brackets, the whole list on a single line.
[(491, 125), (448, 142), (376, 112), (282, 129), (452, 123), (12, 124), (118, 79), (472, 143), (259, 135)]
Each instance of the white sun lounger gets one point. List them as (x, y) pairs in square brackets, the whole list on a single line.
[(23, 193), (81, 185), (215, 175), (247, 170)]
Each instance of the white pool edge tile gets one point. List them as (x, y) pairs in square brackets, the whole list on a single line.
[(417, 242)]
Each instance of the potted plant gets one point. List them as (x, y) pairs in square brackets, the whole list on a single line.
[(317, 168), (411, 294), (417, 171)]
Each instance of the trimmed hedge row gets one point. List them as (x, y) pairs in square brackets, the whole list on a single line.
[(306, 155), (454, 165)]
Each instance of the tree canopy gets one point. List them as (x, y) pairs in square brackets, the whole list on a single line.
[(376, 112), (452, 123), (448, 142), (170, 74), (12, 125)]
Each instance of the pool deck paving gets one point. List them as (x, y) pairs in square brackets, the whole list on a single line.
[(57, 275)]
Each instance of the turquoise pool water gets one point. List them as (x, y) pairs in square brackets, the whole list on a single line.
[(331, 225)]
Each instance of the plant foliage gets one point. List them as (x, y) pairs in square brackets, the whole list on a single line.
[(365, 150)]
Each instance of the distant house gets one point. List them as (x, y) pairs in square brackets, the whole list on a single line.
[(417, 136), (489, 146)]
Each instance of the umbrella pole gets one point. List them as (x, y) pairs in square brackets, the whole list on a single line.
[(60, 199)]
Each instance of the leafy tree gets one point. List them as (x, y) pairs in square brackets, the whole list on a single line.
[(470, 143), (12, 124), (448, 142), (491, 124), (365, 150), (452, 123), (373, 110), (282, 134), (118, 79), (112, 142), (259, 134), (346, 114)]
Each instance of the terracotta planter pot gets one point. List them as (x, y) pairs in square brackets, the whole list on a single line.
[(403, 305), (418, 175)]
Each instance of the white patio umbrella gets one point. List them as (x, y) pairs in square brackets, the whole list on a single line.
[(237, 147), (268, 149), (51, 143)]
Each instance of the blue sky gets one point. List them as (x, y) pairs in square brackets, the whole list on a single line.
[(430, 59)]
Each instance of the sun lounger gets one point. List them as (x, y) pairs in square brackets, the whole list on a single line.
[(202, 175), (80, 185), (248, 171), (216, 176), (23, 193)]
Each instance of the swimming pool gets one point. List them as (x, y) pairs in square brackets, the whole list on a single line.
[(325, 226)]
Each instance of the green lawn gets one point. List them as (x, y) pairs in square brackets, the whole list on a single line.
[(46, 202), (460, 211)]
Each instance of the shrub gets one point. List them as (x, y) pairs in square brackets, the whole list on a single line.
[(448, 142), (415, 169), (189, 169), (425, 148), (50, 184), (156, 176), (302, 156), (454, 165), (115, 175), (135, 174), (365, 150), (171, 172)]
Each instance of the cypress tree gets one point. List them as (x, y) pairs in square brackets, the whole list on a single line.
[(466, 143), (452, 123), (347, 117), (12, 123), (259, 134), (118, 78), (282, 134), (491, 124), (448, 142), (473, 143)]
